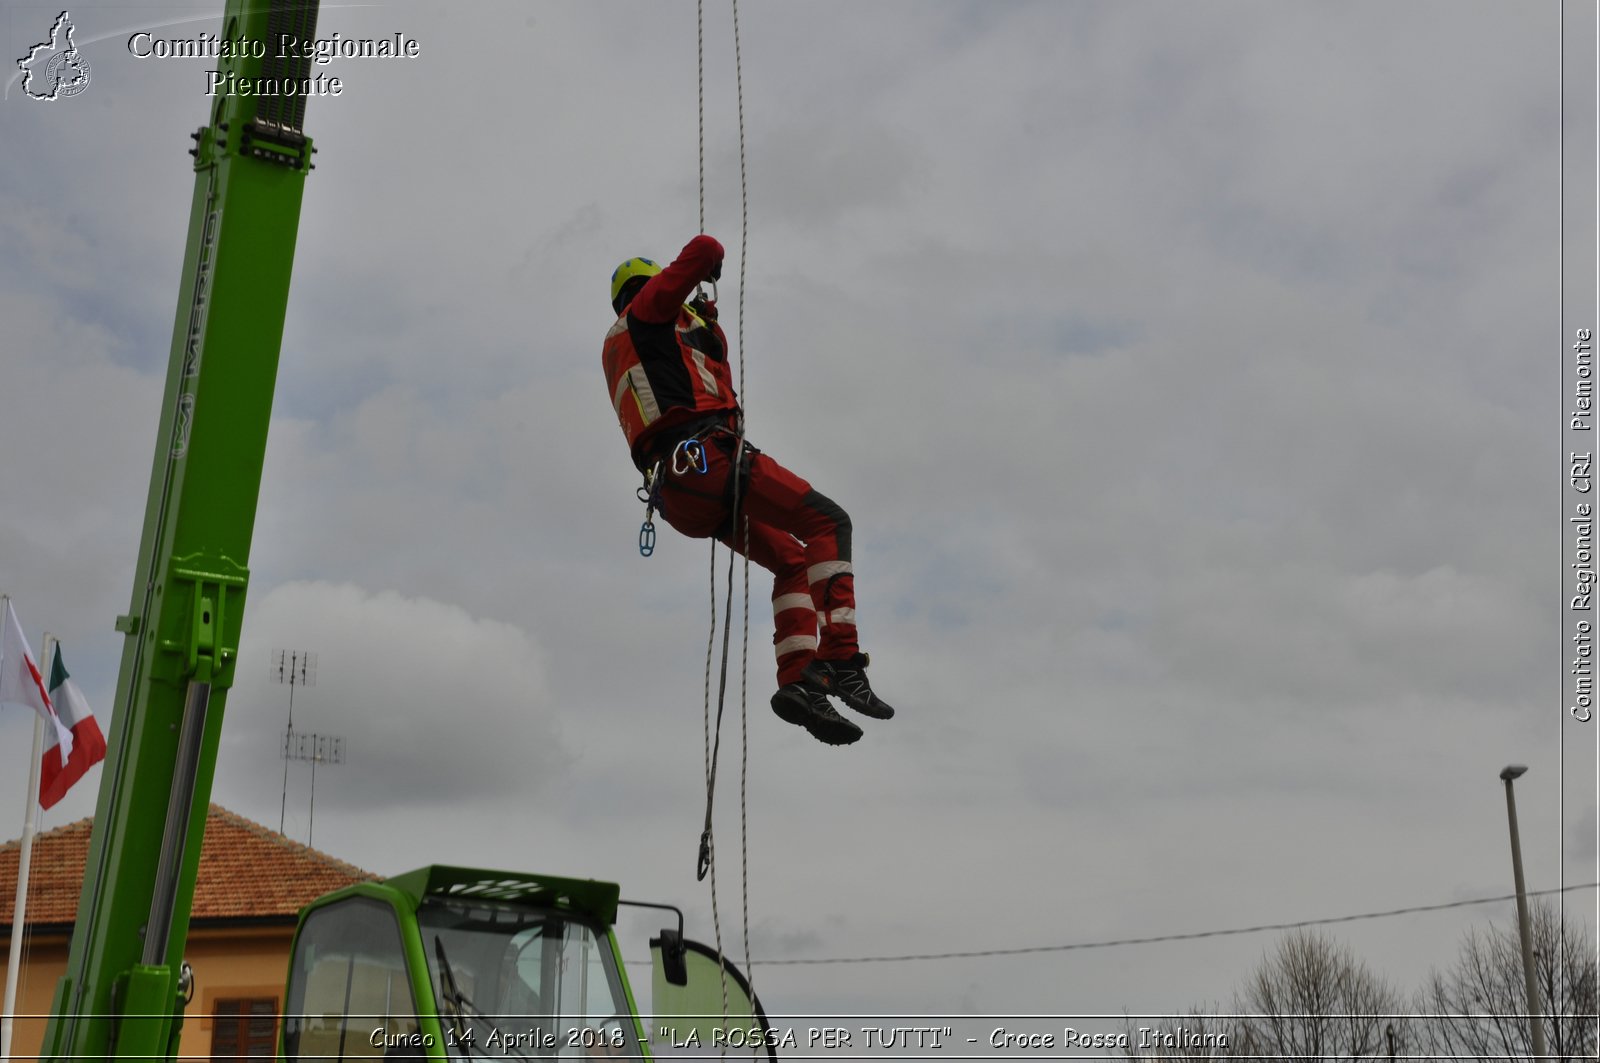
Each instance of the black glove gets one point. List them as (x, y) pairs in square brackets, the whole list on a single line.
[(716, 271), (704, 308)]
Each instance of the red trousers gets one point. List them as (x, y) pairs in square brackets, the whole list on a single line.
[(798, 535)]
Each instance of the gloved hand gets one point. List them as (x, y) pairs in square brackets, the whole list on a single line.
[(705, 309), (716, 271)]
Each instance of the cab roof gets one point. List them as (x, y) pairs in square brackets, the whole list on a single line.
[(590, 897)]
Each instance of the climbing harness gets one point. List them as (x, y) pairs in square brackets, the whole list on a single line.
[(688, 455)]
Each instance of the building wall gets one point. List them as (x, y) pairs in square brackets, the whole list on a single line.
[(229, 963), (43, 964), (245, 963)]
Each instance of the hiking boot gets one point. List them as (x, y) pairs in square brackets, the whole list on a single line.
[(805, 706), (847, 681)]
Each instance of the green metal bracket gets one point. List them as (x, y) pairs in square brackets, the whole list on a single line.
[(205, 147), (263, 141), (209, 646), (144, 1024)]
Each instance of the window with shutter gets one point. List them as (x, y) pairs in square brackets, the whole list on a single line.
[(244, 1028)]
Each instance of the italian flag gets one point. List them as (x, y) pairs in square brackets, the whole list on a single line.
[(86, 746)]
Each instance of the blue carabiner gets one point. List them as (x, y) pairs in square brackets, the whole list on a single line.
[(692, 451), (647, 538)]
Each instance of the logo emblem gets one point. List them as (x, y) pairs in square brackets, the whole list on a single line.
[(55, 69)]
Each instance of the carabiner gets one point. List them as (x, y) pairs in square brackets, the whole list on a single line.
[(693, 452), (703, 864), (650, 494)]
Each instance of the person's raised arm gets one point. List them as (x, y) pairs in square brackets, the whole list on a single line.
[(659, 299)]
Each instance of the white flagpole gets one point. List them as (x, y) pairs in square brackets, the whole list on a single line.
[(30, 822)]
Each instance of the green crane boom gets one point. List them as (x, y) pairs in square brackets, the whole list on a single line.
[(123, 992)]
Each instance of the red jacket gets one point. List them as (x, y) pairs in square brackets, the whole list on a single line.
[(665, 366)]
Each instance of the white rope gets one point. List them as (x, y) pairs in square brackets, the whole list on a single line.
[(713, 745), (700, 72), (744, 653), (713, 739)]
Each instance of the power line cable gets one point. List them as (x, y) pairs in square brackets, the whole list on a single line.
[(1158, 939)]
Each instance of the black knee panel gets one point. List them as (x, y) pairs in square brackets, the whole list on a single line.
[(820, 503)]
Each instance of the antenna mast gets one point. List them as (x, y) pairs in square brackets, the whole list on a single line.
[(297, 668)]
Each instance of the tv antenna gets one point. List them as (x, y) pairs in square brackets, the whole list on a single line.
[(318, 749), (297, 668)]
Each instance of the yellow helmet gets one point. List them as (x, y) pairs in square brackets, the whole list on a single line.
[(634, 267)]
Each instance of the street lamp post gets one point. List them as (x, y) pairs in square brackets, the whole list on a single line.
[(1535, 1020)]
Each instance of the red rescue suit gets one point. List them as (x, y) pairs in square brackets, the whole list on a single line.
[(667, 373)]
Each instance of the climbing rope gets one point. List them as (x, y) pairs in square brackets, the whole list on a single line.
[(741, 523), (700, 86), (744, 647)]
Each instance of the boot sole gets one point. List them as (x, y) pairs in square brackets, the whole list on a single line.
[(837, 731), (880, 711), (840, 732)]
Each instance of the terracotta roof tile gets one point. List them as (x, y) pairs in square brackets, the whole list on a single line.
[(246, 871)]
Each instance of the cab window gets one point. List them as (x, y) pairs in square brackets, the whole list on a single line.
[(514, 980), (349, 996)]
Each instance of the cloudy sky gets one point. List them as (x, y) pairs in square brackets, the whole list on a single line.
[(1194, 374)]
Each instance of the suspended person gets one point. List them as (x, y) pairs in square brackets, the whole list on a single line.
[(666, 366)]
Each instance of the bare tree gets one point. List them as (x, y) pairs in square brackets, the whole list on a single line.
[(1311, 999), (1477, 1009)]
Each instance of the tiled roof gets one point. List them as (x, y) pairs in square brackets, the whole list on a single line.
[(246, 871)]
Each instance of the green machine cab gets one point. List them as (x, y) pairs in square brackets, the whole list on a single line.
[(458, 963)]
